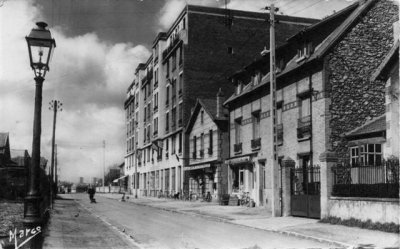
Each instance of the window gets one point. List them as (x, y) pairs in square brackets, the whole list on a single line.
[(354, 155), (155, 101), (155, 126), (202, 117), (148, 154), (184, 23), (230, 50), (180, 55), (202, 144), (180, 83), (173, 144), (370, 154), (194, 147), (167, 65), (173, 61), (180, 143), (305, 107), (238, 130), (167, 122), (173, 118), (145, 114), (239, 88), (155, 78), (166, 145), (256, 125), (210, 149), (167, 96)]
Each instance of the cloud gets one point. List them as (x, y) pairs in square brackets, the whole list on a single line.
[(172, 8), (88, 75)]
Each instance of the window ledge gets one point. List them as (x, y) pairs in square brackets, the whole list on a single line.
[(304, 139)]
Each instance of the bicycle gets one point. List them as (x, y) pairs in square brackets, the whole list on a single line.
[(245, 199), (207, 197)]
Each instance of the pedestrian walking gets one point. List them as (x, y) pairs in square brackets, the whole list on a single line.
[(91, 192)]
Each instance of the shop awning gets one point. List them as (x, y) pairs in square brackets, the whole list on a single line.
[(116, 180), (201, 166)]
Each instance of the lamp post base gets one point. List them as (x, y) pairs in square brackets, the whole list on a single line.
[(32, 210)]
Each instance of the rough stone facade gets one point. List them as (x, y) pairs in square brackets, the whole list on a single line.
[(355, 99)]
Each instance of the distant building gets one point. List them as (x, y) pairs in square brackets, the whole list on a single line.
[(14, 166), (81, 180)]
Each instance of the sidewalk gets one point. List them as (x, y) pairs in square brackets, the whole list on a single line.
[(260, 218), (71, 226)]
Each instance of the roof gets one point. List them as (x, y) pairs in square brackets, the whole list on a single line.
[(353, 13), (3, 139), (387, 63), (210, 106), (375, 125), (18, 153)]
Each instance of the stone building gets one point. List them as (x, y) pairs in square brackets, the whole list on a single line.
[(207, 130), (191, 60), (324, 89)]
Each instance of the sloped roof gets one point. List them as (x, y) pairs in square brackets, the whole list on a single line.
[(390, 58), (354, 11), (373, 126), (3, 139), (210, 106)]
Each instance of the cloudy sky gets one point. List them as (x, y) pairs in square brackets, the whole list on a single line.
[(99, 44)]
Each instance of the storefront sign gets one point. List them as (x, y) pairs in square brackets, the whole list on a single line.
[(239, 160), (201, 166)]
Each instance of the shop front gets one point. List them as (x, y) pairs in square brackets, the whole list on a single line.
[(242, 178), (201, 181)]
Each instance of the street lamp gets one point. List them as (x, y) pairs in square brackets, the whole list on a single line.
[(40, 46)]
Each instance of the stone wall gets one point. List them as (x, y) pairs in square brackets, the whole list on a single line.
[(376, 210), (350, 64)]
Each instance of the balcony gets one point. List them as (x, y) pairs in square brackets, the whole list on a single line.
[(171, 47), (201, 153), (279, 133), (237, 148), (304, 127), (194, 155), (256, 144)]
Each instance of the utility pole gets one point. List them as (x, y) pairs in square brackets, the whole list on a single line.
[(55, 105), (104, 164), (273, 134), (55, 164)]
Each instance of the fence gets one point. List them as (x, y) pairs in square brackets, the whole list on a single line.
[(377, 181)]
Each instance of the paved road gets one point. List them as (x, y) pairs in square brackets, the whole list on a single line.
[(71, 226), (155, 228)]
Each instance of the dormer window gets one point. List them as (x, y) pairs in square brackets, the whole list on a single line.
[(304, 51), (239, 87), (257, 78)]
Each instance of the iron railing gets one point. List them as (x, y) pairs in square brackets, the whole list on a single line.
[(376, 181)]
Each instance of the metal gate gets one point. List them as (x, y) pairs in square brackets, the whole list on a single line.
[(305, 191)]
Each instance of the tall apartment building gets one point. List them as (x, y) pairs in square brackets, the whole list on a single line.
[(193, 59)]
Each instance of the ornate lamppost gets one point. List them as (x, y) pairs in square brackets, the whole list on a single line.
[(40, 46)]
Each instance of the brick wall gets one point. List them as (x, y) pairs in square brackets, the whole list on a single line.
[(352, 61)]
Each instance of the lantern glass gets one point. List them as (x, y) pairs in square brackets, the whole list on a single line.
[(40, 46)]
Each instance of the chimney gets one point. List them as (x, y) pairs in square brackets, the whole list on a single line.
[(220, 102)]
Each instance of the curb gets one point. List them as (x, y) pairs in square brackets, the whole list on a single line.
[(225, 220)]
